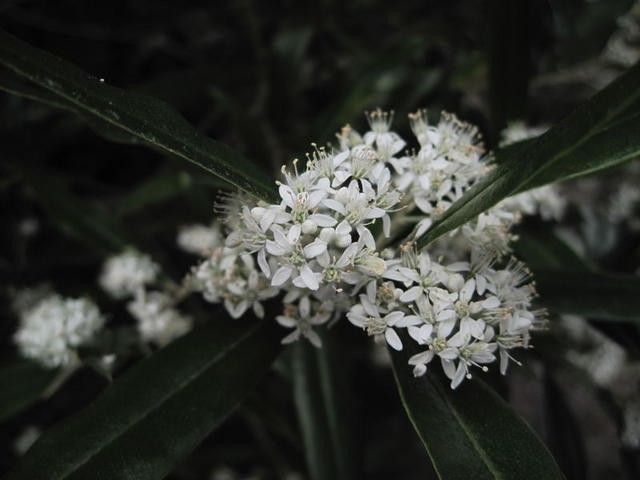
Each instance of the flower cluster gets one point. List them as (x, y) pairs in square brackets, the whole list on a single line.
[(158, 321), (330, 247), (230, 277), (128, 274), (125, 274), (52, 329), (462, 313)]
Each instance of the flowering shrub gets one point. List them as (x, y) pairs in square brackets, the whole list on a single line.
[(461, 274)]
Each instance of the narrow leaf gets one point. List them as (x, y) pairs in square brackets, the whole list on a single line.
[(160, 410), (470, 432), (601, 133), (11, 83), (540, 248), (323, 407), (23, 383), (146, 118), (568, 284)]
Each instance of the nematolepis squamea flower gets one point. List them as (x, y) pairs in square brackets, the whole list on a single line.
[(321, 248), (53, 328)]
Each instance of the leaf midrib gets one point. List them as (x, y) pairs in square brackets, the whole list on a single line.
[(481, 452), (434, 462), (595, 130), (194, 147), (163, 399)]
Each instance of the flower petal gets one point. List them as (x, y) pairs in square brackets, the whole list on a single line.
[(309, 278), (410, 295), (315, 248), (393, 339), (282, 275)]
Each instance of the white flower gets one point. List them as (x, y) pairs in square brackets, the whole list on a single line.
[(388, 143), (124, 274), (199, 239), (354, 205), (229, 277), (303, 318), (51, 331), (518, 131), (158, 321), (367, 316)]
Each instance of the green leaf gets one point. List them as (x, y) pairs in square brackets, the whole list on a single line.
[(160, 410), (599, 134), (145, 118), (156, 189), (601, 296), (541, 248), (23, 384), (567, 284), (324, 410), (565, 439), (13, 84), (470, 432)]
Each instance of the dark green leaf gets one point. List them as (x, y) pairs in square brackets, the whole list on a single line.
[(540, 248), (161, 409), (470, 432), (567, 284), (602, 296), (601, 133), (323, 406), (23, 383), (148, 119), (565, 439), (15, 85), (157, 189)]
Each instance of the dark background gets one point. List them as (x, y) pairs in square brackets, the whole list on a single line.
[(267, 78)]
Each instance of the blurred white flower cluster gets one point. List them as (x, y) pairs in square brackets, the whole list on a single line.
[(341, 241), (53, 327), (610, 367), (127, 275)]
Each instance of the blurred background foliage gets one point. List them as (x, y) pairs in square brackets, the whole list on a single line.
[(268, 78)]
